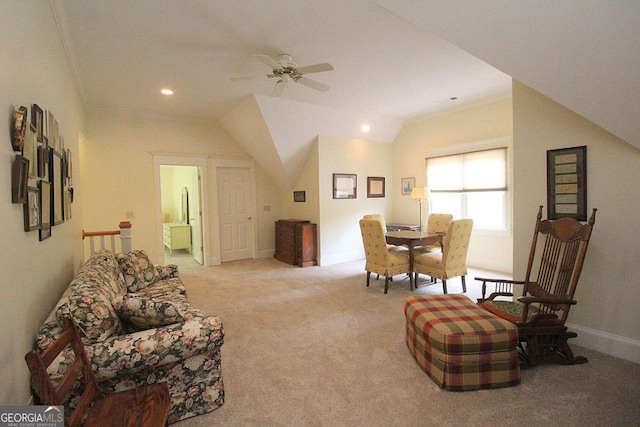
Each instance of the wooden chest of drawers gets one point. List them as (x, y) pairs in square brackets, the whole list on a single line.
[(176, 236), (296, 242)]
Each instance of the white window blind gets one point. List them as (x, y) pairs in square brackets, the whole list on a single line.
[(476, 171)]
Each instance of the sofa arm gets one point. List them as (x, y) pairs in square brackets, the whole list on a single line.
[(167, 271), (142, 350)]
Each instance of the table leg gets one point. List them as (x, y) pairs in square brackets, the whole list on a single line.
[(411, 280)]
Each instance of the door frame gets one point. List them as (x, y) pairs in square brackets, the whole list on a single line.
[(168, 159), (216, 163)]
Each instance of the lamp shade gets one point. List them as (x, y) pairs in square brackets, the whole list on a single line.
[(417, 193)]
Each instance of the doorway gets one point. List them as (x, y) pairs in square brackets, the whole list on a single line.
[(181, 205)]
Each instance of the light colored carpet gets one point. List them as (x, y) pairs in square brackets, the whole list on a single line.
[(315, 347)]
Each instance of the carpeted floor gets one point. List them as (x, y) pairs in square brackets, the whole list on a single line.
[(315, 347)]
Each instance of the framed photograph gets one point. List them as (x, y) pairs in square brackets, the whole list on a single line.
[(56, 178), (407, 186), (345, 186), (37, 120), (30, 151), (19, 179), (43, 160), (375, 186), (19, 128), (299, 196), (32, 210), (567, 183), (68, 195), (45, 209), (68, 164)]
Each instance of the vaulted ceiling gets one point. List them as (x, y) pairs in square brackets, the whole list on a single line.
[(393, 60)]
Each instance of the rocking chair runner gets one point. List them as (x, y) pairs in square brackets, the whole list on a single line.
[(145, 406), (541, 312)]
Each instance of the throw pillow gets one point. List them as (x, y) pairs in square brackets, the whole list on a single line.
[(139, 272), (143, 313)]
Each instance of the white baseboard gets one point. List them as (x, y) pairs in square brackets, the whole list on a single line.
[(604, 342), (343, 257), (265, 254)]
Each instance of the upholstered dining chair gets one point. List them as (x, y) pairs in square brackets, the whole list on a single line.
[(142, 406), (452, 261), (379, 258), (557, 252), (436, 223), (380, 217)]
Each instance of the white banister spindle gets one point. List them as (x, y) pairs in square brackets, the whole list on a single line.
[(125, 236)]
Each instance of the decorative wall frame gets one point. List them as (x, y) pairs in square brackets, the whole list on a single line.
[(19, 179), (375, 186), (30, 151), (19, 128), (37, 120), (32, 210), (567, 183), (407, 186), (56, 177), (345, 186), (43, 160), (45, 209), (299, 196)]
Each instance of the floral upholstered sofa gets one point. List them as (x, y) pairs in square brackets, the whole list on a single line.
[(138, 328)]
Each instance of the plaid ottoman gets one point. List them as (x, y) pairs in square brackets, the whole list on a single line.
[(460, 345)]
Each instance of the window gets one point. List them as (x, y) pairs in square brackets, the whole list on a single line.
[(471, 185)]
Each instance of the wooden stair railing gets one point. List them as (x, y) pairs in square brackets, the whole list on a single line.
[(125, 238)]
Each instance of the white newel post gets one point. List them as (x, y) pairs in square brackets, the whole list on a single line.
[(125, 236)]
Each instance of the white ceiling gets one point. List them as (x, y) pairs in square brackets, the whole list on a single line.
[(389, 65)]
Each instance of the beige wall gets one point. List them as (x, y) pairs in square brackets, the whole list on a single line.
[(606, 317), (472, 128), (33, 69), (120, 150), (339, 233)]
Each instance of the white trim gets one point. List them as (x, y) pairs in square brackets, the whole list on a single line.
[(216, 256), (604, 342), (183, 160)]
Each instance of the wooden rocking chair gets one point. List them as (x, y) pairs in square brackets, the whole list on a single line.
[(540, 313)]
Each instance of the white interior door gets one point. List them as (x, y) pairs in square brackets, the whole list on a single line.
[(236, 223), (195, 217)]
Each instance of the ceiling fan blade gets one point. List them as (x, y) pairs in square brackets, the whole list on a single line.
[(313, 84), (237, 79), (278, 89), (269, 61), (316, 68)]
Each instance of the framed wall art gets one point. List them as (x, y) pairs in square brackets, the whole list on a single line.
[(32, 210), (45, 209), (19, 129), (567, 183), (375, 186), (407, 186), (57, 178), (299, 196), (19, 179), (345, 186), (37, 120)]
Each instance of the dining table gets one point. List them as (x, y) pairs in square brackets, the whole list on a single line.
[(413, 239)]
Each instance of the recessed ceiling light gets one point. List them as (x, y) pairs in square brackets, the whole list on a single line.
[(365, 128), (166, 92)]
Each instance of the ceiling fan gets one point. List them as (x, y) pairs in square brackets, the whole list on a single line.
[(286, 70)]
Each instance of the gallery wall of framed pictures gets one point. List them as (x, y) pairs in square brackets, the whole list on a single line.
[(42, 170)]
